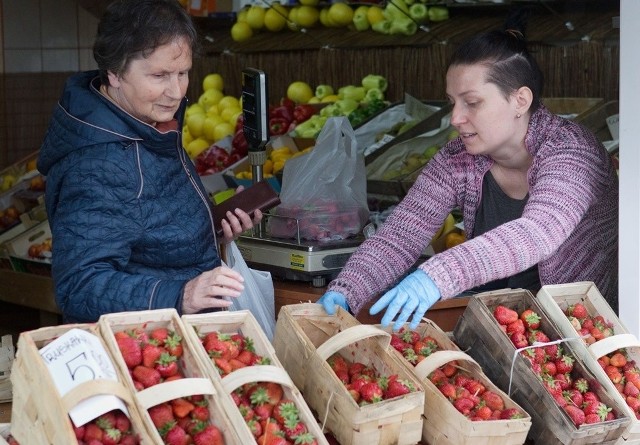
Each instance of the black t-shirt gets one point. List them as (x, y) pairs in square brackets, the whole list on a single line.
[(497, 208)]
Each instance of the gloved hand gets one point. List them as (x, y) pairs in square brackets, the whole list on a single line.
[(414, 295), (330, 299)]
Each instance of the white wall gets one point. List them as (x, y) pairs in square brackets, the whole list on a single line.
[(629, 166)]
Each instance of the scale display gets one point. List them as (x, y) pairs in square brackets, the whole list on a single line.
[(255, 108)]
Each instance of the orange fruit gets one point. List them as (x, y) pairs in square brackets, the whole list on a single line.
[(453, 239)]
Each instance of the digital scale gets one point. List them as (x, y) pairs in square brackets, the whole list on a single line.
[(293, 259)]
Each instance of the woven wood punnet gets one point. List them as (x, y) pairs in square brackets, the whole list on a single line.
[(555, 299), (39, 415), (443, 423), (245, 323), (195, 382), (306, 336), (478, 334)]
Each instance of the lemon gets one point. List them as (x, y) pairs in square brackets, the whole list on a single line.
[(213, 81), (329, 98), (233, 119), (229, 113), (209, 125), (228, 102), (275, 19), (299, 92), (309, 2), (255, 17), (242, 14), (194, 109), (195, 123), (210, 97), (324, 18), (307, 16), (241, 31), (292, 23), (196, 147), (213, 110), (341, 14), (222, 130), (374, 14)]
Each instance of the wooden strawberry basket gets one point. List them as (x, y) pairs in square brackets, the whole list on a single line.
[(39, 415), (443, 423), (245, 323), (477, 332), (196, 381), (306, 337), (555, 299)]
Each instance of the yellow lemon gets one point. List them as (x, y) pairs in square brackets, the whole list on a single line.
[(275, 19), (195, 123), (197, 146), (228, 102), (210, 97), (195, 108), (241, 31), (209, 125), (299, 92), (186, 137), (213, 110), (309, 2), (255, 17), (325, 20), (374, 14), (292, 23), (242, 14), (229, 113), (213, 81), (307, 16), (341, 14), (222, 130), (329, 98)]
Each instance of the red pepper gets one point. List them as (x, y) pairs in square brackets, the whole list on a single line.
[(239, 143), (278, 125), (240, 122), (282, 112), (286, 102), (303, 112)]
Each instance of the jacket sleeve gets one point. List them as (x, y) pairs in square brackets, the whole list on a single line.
[(94, 221)]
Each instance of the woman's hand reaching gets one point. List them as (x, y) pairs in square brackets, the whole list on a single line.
[(209, 289)]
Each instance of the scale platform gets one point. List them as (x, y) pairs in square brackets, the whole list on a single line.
[(317, 262)]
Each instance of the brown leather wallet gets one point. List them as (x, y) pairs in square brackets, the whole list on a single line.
[(259, 196)]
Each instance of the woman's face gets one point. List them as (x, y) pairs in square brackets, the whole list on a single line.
[(152, 88), (485, 119)]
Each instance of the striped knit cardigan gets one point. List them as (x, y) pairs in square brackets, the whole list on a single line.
[(569, 226)]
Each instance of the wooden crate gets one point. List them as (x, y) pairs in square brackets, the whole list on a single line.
[(245, 323), (574, 108), (478, 334), (196, 380), (555, 299), (39, 415), (7, 355), (306, 337)]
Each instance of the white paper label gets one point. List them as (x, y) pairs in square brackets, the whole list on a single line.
[(76, 357)]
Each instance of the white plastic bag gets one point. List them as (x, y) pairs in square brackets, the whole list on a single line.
[(258, 294)]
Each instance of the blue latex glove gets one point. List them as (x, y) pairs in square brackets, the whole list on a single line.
[(413, 295), (330, 299)]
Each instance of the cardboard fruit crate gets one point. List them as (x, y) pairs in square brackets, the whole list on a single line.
[(306, 336), (478, 333), (555, 299), (39, 415), (245, 323), (195, 381), (443, 423)]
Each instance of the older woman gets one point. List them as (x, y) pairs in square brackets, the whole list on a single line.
[(131, 222)]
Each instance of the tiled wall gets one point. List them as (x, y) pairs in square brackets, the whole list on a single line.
[(43, 41)]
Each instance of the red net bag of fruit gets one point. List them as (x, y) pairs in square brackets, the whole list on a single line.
[(324, 192)]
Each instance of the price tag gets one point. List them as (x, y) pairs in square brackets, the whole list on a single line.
[(76, 357)]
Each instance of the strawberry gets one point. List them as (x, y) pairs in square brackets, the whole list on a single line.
[(247, 357), (79, 431), (399, 344), (356, 368), (618, 360), (285, 409), (577, 310), (293, 427), (437, 377), (111, 436), (464, 405), (210, 435), (398, 388), (576, 415), (255, 427), (150, 354), (306, 439), (223, 366), (173, 344), (448, 390), (505, 315), (483, 413), (530, 319), (167, 365), (592, 418), (371, 392), (92, 432), (408, 335), (630, 389), (122, 422), (475, 387), (511, 413), (338, 363), (590, 396), (159, 335), (176, 436), (146, 376), (130, 350), (200, 412), (581, 385), (519, 340), (493, 400), (573, 396), (549, 368), (216, 344), (516, 326), (263, 411), (181, 407), (538, 336), (161, 415), (552, 351), (633, 402), (564, 365)]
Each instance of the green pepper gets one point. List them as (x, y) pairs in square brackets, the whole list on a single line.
[(383, 26), (405, 26), (374, 81), (419, 13), (438, 13), (351, 92), (346, 106), (323, 91), (373, 93)]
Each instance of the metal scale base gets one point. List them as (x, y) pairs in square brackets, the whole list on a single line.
[(312, 261)]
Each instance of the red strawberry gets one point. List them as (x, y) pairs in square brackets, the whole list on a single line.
[(538, 336), (255, 427), (505, 315), (247, 357), (633, 402), (167, 365), (111, 436), (371, 392), (285, 409), (577, 310), (493, 400), (530, 318), (409, 336), (398, 388), (464, 405), (581, 385), (210, 435), (306, 439), (592, 418), (576, 415), (181, 407), (590, 396), (150, 354), (511, 413), (573, 396), (483, 413), (201, 413), (223, 366), (92, 432), (630, 389), (448, 390), (516, 326), (564, 365), (475, 387), (618, 360), (173, 344), (293, 427), (519, 340), (147, 376), (549, 368), (176, 436), (161, 415), (130, 349), (399, 344), (159, 335), (338, 363), (122, 422)]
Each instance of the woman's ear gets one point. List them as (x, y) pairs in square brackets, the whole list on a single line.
[(114, 80), (523, 97)]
